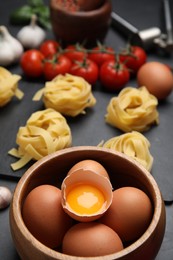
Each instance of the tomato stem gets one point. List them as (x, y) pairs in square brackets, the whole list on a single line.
[(128, 51)]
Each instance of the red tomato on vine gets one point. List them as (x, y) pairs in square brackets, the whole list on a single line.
[(75, 52), (32, 63), (134, 57), (59, 64), (114, 75), (101, 53), (49, 48), (87, 69)]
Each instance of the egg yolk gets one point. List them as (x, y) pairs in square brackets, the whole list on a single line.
[(85, 199)]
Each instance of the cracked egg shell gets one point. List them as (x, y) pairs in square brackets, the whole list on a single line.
[(86, 195)]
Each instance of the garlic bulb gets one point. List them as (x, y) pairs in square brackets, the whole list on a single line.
[(5, 197), (10, 48), (31, 36)]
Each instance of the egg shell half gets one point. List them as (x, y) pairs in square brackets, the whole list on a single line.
[(86, 177)]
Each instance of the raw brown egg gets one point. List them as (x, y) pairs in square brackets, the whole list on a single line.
[(90, 165), (44, 217), (157, 78), (129, 214), (91, 239)]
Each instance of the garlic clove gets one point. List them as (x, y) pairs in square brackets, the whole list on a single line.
[(18, 49), (5, 197), (10, 48), (6, 54), (31, 36)]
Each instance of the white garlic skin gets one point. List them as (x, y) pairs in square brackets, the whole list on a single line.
[(5, 197), (18, 49), (31, 36), (10, 48), (6, 56)]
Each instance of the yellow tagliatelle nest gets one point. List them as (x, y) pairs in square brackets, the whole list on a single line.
[(68, 94), (8, 86), (133, 144), (45, 132), (133, 109)]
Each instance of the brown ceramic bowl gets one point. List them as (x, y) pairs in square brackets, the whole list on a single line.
[(80, 26), (122, 171)]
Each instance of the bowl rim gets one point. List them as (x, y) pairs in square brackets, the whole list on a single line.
[(58, 255), (106, 5)]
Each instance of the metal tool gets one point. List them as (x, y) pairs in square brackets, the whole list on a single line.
[(144, 38), (148, 38), (166, 40)]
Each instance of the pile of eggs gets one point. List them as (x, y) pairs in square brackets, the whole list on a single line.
[(86, 217)]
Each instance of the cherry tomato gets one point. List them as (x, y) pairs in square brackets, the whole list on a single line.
[(134, 57), (100, 54), (49, 47), (32, 63), (87, 69), (57, 65), (114, 75), (75, 52)]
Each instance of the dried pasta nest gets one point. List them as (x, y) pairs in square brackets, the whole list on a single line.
[(8, 86), (45, 132), (133, 144), (133, 109), (70, 95)]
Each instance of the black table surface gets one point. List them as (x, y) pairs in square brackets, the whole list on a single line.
[(91, 128)]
